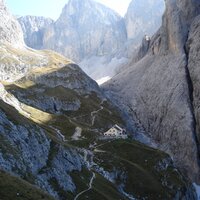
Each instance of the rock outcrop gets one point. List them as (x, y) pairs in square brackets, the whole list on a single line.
[(10, 30), (33, 29), (26, 151), (163, 83)]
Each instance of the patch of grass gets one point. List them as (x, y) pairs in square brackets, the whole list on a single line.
[(28, 90), (15, 188), (81, 179), (139, 164), (61, 192), (102, 190), (31, 57)]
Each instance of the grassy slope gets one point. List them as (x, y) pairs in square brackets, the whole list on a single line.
[(30, 57), (29, 91), (136, 160), (81, 180), (14, 188), (139, 162)]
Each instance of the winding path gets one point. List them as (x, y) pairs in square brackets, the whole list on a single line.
[(93, 114), (59, 133), (89, 188)]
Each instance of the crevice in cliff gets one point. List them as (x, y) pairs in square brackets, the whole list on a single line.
[(191, 96)]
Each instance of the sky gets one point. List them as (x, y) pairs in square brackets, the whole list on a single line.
[(53, 8)]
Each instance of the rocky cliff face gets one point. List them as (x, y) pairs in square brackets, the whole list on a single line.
[(193, 52), (143, 17), (27, 152), (85, 28), (94, 35), (163, 90), (33, 29), (10, 30), (15, 59)]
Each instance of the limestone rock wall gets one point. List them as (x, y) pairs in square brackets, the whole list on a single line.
[(160, 91)]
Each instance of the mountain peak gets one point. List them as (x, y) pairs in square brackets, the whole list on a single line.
[(87, 28), (75, 7), (10, 30)]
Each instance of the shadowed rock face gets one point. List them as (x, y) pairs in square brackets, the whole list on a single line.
[(160, 92)]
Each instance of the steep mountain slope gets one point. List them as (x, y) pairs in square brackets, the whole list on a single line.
[(33, 29), (85, 28), (59, 166), (52, 116), (160, 93), (13, 187), (39, 137)]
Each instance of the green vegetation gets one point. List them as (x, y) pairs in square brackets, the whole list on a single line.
[(102, 190), (141, 169), (61, 192), (140, 163), (15, 188), (81, 179), (31, 57), (30, 92)]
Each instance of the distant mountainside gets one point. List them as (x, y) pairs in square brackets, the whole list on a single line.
[(84, 28), (33, 28), (161, 85), (143, 17), (94, 35)]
